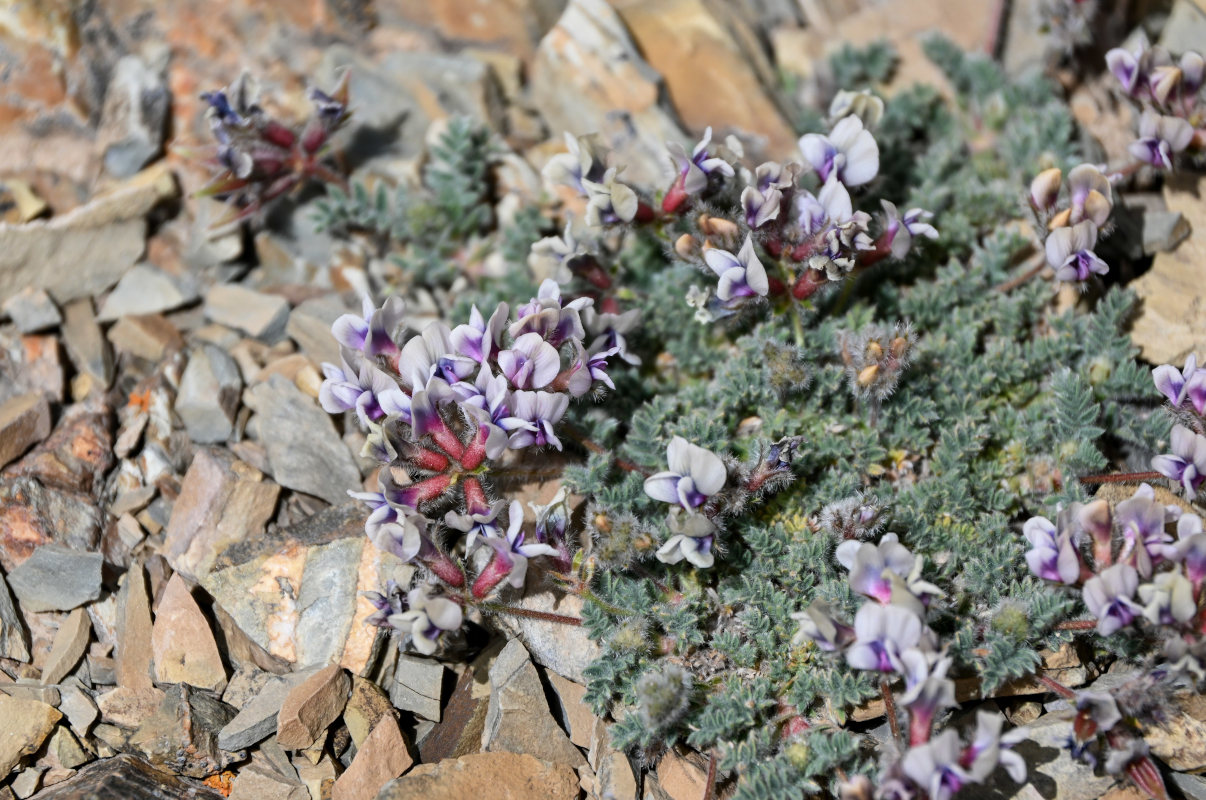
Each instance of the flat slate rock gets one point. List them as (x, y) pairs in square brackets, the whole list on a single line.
[(126, 777), (57, 578)]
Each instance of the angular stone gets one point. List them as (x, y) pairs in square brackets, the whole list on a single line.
[(1163, 231), (14, 643), (614, 776), (134, 653), (512, 26), (66, 750), (1192, 786), (134, 116), (69, 645), (77, 705), (383, 756), (518, 718), (311, 707), (32, 310), (299, 594), (146, 289), (209, 395), (588, 76), (149, 336), (564, 649), (27, 781), (682, 776), (459, 731), (31, 364), (262, 316), (85, 343), (182, 642), (310, 327), (262, 782), (574, 713), (1180, 740), (182, 735), (222, 502), (257, 718), (57, 578), (126, 777), (318, 778), (365, 708), (1185, 28), (305, 451), (418, 686), (24, 421), (78, 453), (486, 775), (128, 708), (27, 723), (32, 515)]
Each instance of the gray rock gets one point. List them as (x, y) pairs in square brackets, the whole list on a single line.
[(418, 686), (24, 421), (1192, 786), (183, 734), (310, 326), (14, 643), (262, 316), (565, 649), (1185, 28), (304, 450), (87, 346), (518, 719), (146, 290), (28, 689), (32, 310), (126, 777), (77, 705), (1052, 773), (43, 514), (257, 718), (134, 116), (209, 395), (57, 578), (1163, 230)]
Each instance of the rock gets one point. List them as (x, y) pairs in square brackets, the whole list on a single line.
[(318, 778), (107, 234), (518, 718), (29, 689), (128, 708), (182, 642), (32, 515), (26, 782), (1192, 786), (310, 327), (77, 706), (614, 776), (126, 777), (513, 26), (304, 450), (14, 643), (27, 723), (1052, 773), (1180, 741), (85, 343), (146, 289), (57, 578), (365, 708), (65, 749), (20, 202), (1185, 28), (134, 651), (77, 455), (383, 756), (299, 594), (148, 336), (257, 718), (261, 316), (682, 776), (588, 77), (69, 645), (1171, 324), (311, 706), (182, 735), (134, 116), (459, 731), (486, 776), (209, 395), (564, 649), (418, 686), (713, 66), (24, 421), (32, 310), (261, 782), (222, 502), (31, 363), (573, 712), (1163, 231)]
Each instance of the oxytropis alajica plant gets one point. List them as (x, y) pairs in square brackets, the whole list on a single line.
[(822, 421)]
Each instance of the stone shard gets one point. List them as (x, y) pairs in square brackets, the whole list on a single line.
[(24, 421), (1180, 740), (222, 502), (32, 515), (513, 26), (27, 723), (78, 453), (305, 452), (574, 714), (128, 708), (383, 756), (57, 578), (146, 290), (261, 316), (183, 643), (87, 346), (459, 731), (588, 76), (259, 781), (209, 395), (682, 775), (182, 735), (32, 310), (134, 652), (257, 718), (518, 719), (14, 643), (505, 776), (69, 645), (149, 336), (310, 327), (365, 708), (418, 686), (126, 777), (77, 705), (614, 776), (134, 116), (564, 649), (311, 707)]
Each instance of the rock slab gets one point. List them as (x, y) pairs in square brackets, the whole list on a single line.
[(57, 578), (486, 776), (27, 723), (126, 777), (13, 641), (382, 757), (24, 421), (311, 706), (183, 643), (518, 719)]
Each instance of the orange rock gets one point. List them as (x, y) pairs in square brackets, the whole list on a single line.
[(486, 776), (312, 706), (182, 642), (134, 632), (383, 757)]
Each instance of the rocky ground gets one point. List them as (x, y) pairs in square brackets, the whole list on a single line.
[(181, 572)]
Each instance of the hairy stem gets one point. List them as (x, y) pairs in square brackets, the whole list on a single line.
[(581, 438), (499, 608), (1077, 625), (710, 781), (1013, 283), (890, 709), (1056, 686), (1121, 477)]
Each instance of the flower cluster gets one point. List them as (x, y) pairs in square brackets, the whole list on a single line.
[(259, 158), (1186, 392), (443, 405), (1070, 229), (890, 637), (1170, 95), (583, 169)]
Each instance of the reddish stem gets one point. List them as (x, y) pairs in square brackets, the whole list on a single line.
[(1077, 625), (531, 614), (710, 781), (890, 708), (1056, 686), (1121, 477)]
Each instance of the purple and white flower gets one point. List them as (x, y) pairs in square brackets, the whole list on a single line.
[(695, 474), (533, 415), (928, 692), (871, 565), (369, 391), (405, 536), (530, 363), (1160, 138), (935, 766), (478, 520), (583, 161), (372, 332), (609, 329), (693, 170), (1108, 597), (608, 201), (883, 634), (545, 314), (512, 553), (741, 275), (1187, 462), (761, 206), (1089, 195), (990, 748), (818, 624), (1168, 599), (479, 339), (900, 231), (1141, 520), (693, 538), (426, 619), (1175, 383), (1070, 252), (849, 152)]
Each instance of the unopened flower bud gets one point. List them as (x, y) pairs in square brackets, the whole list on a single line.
[(874, 351), (1060, 220), (1097, 521), (1163, 81), (867, 376), (686, 246), (900, 346), (1044, 189), (1192, 68), (718, 226), (1097, 208)]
